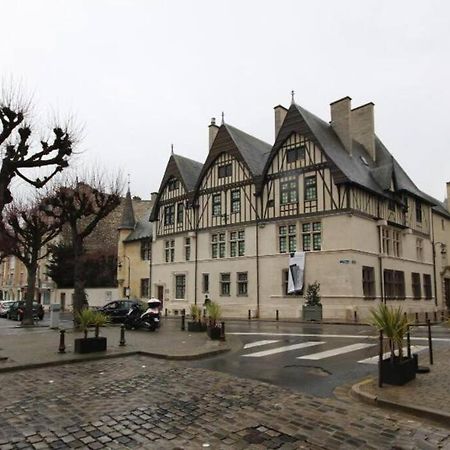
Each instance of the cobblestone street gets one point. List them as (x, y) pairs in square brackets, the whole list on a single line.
[(139, 402)]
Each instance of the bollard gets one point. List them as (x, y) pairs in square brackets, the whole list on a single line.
[(417, 317), (380, 361), (97, 330), (122, 336), (249, 314), (277, 316), (442, 316), (183, 320), (408, 342), (355, 316), (165, 312), (435, 316), (426, 317), (62, 345), (222, 331), (430, 343)]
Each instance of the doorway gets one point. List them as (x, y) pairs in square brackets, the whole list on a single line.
[(447, 292)]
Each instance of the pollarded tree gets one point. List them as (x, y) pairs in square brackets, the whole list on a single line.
[(20, 152), (26, 231), (82, 205)]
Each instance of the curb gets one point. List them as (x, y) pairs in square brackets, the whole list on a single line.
[(429, 413)]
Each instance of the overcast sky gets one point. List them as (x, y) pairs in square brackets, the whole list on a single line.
[(141, 75)]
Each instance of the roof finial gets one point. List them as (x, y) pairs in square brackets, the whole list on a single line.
[(223, 117), (129, 181), (292, 99), (171, 149)]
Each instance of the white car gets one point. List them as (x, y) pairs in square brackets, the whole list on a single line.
[(4, 307)]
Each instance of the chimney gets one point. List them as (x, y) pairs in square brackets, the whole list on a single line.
[(153, 196), (448, 196), (363, 127), (341, 121), (280, 114), (213, 129)]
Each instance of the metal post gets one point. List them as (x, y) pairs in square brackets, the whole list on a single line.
[(62, 345), (355, 316), (417, 317), (183, 320), (435, 316), (222, 331), (380, 361), (249, 314), (430, 343), (408, 342), (277, 316), (426, 317), (122, 336), (165, 312)]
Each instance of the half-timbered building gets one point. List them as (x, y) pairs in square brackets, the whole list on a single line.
[(225, 229)]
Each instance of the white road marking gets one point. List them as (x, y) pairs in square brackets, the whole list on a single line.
[(336, 351), (374, 359), (286, 348), (259, 343), (349, 336)]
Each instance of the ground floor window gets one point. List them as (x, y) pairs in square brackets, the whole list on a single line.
[(394, 284), (180, 286), (416, 287), (205, 283), (285, 283), (225, 282), (427, 286), (145, 287), (242, 283), (368, 280)]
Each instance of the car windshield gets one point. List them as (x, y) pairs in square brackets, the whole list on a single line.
[(154, 304)]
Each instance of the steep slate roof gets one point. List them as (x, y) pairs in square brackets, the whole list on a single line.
[(142, 230), (127, 220), (254, 151), (357, 168), (189, 170)]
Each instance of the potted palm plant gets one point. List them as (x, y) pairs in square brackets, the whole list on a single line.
[(312, 309), (214, 314), (397, 369), (196, 324), (87, 318)]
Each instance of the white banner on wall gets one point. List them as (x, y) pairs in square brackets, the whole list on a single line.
[(296, 272)]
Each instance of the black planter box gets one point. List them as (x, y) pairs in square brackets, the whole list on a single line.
[(214, 333), (399, 371), (90, 344), (312, 312), (196, 326)]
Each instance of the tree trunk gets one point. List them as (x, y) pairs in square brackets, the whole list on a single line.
[(29, 298), (79, 298)]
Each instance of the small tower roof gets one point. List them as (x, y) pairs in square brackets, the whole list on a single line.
[(127, 221)]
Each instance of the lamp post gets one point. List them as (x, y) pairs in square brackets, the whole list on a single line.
[(129, 273)]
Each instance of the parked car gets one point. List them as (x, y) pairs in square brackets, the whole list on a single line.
[(117, 310), (4, 307), (17, 308)]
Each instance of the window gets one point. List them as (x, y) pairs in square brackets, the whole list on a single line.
[(394, 284), (187, 249), (391, 205), (427, 286), (236, 201), (225, 281), (288, 192), (237, 243), (225, 171), (242, 283), (145, 285), (386, 241), (312, 236), (287, 238), (146, 249), (294, 154), (419, 249), (416, 288), (218, 245), (180, 212), (205, 282), (169, 214), (180, 286), (217, 204), (170, 250), (396, 243), (418, 211), (368, 279), (310, 188), (172, 184), (285, 284)]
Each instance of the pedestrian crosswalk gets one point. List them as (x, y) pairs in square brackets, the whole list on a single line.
[(352, 349)]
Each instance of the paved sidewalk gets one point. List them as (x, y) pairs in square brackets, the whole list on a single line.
[(38, 346), (428, 395)]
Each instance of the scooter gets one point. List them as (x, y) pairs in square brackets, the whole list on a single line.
[(150, 319)]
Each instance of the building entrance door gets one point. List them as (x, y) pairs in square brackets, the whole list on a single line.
[(63, 301), (447, 292)]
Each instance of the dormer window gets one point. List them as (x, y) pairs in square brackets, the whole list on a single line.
[(225, 171), (172, 184), (296, 153)]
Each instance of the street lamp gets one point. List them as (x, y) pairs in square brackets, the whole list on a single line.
[(129, 272)]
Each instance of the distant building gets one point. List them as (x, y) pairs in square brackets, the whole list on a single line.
[(225, 228)]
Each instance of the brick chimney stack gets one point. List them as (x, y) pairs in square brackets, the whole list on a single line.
[(363, 127), (341, 121), (280, 114), (213, 130)]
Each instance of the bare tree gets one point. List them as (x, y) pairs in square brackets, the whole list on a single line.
[(82, 205), (26, 231), (17, 150)]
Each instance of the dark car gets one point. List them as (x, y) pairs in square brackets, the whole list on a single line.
[(16, 311), (118, 309)]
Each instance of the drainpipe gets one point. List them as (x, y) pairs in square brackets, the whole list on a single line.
[(433, 243), (150, 271), (196, 266), (257, 268), (380, 265)]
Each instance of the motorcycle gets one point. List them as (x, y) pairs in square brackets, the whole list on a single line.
[(150, 318)]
